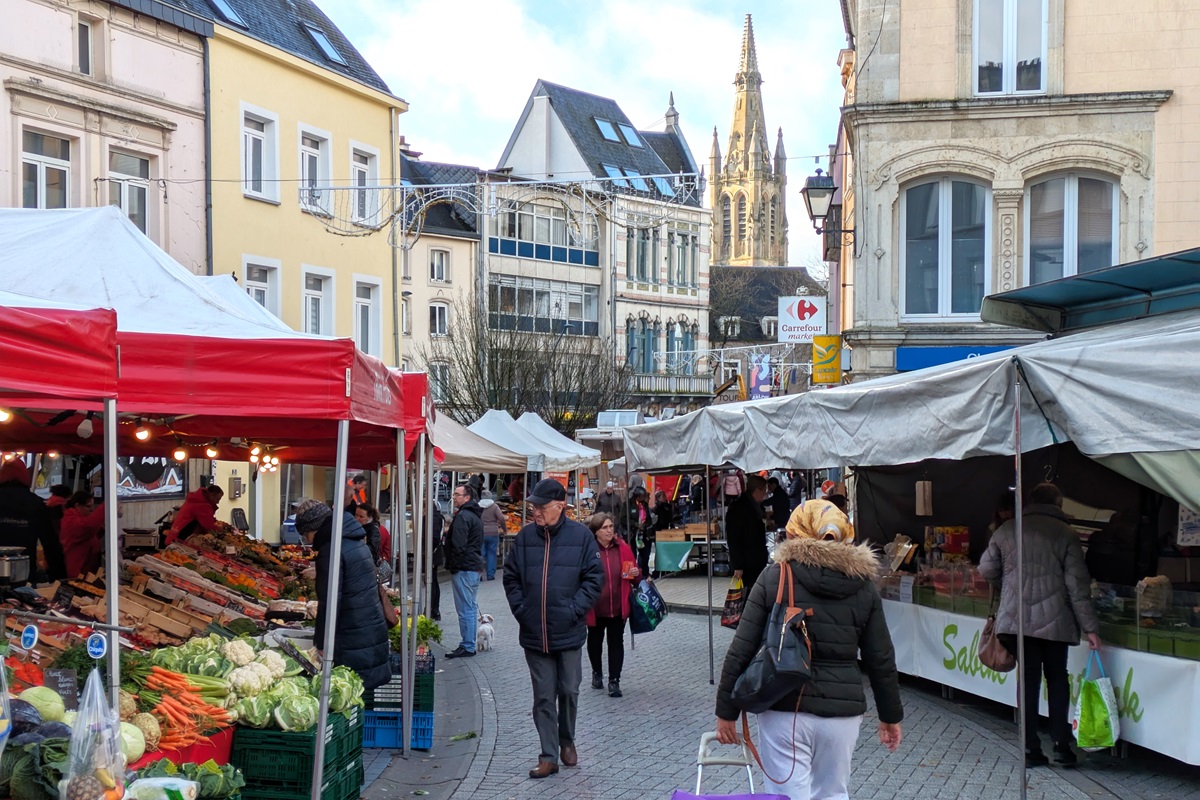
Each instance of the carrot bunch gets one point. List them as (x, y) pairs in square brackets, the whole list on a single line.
[(185, 716)]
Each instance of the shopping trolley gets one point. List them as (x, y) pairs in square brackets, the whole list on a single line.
[(705, 758)]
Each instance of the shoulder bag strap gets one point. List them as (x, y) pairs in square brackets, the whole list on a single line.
[(754, 750), (779, 592)]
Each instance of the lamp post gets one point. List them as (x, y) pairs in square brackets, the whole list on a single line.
[(818, 194)]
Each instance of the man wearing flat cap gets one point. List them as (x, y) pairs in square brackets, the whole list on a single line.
[(552, 577)]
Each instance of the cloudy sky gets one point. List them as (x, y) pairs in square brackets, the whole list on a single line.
[(467, 68)]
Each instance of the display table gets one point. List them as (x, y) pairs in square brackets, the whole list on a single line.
[(1152, 690)]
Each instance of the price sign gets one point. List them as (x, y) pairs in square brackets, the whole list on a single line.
[(29, 637), (906, 588), (65, 682), (97, 646)]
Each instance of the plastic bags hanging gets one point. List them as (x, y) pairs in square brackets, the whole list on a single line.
[(96, 766)]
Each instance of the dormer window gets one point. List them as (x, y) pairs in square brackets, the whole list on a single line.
[(630, 134), (322, 39), (770, 327), (607, 130), (731, 327)]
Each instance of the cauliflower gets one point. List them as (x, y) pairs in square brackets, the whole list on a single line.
[(238, 651), (250, 680), (274, 662)]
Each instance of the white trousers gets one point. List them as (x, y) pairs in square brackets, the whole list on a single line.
[(822, 748)]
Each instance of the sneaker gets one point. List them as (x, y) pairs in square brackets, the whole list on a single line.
[(1033, 758), (1063, 754), (459, 652), (614, 689), (597, 680)]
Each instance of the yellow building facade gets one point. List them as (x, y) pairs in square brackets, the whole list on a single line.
[(302, 129)]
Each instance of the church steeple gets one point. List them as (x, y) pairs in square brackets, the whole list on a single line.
[(750, 177)]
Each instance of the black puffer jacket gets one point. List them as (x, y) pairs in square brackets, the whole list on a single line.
[(464, 543), (552, 578), (836, 581), (24, 522), (361, 637)]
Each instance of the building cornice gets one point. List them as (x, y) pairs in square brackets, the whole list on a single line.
[(49, 94), (1008, 107), (918, 335)]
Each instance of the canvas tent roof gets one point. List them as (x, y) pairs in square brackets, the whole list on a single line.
[(185, 357), (500, 428), (540, 430), (466, 451), (714, 436), (55, 352), (237, 301)]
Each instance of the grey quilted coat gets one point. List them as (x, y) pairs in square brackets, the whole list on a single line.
[(1057, 587)]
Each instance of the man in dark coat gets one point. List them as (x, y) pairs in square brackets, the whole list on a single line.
[(552, 578), (25, 520), (608, 501), (746, 534), (360, 633), (464, 559)]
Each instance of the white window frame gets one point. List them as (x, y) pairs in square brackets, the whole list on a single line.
[(446, 310), (42, 162), (374, 308), (1071, 219), (328, 295), (945, 242), (80, 24), (318, 198), (439, 273), (123, 182), (439, 380), (770, 327), (270, 152), (1009, 46), (364, 203), (406, 316), (274, 279)]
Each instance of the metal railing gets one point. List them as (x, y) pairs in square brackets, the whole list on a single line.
[(694, 385)]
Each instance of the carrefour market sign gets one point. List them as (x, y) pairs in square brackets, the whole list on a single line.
[(801, 318)]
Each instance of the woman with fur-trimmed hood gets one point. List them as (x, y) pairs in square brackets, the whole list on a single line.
[(808, 737)]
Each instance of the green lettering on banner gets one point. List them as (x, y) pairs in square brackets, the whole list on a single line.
[(1128, 703), (966, 659)]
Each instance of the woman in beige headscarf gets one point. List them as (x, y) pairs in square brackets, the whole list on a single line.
[(808, 737)]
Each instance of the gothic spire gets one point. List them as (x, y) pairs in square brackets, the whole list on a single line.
[(780, 155), (749, 54), (714, 156), (672, 115), (748, 119)]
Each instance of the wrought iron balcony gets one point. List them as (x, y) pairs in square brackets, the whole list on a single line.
[(678, 385)]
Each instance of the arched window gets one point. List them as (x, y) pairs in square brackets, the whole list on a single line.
[(774, 217), (741, 211), (632, 342), (726, 224), (946, 224), (672, 347), (439, 319), (1072, 226)]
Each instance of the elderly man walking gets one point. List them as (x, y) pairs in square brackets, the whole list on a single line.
[(552, 577)]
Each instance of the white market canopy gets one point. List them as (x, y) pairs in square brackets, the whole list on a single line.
[(237, 301), (714, 436), (466, 451), (541, 431), (499, 428)]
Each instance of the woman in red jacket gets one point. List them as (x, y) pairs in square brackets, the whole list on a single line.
[(608, 615), (82, 534)]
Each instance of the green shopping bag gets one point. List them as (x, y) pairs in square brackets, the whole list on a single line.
[(1097, 723)]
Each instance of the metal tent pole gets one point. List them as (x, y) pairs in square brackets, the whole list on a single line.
[(399, 558), (112, 553), (712, 674), (1019, 530), (330, 602), (420, 590)]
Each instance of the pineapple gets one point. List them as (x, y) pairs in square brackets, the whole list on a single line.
[(84, 787)]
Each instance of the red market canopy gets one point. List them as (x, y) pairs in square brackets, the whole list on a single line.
[(50, 353)]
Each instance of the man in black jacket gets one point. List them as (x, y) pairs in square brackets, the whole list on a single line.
[(25, 520), (746, 533), (464, 560), (552, 578)]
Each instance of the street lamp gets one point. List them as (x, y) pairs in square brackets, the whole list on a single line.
[(818, 194)]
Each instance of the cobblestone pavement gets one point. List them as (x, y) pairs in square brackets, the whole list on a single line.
[(644, 745)]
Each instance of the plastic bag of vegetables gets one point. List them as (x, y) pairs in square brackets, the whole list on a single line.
[(5, 711), (96, 765)]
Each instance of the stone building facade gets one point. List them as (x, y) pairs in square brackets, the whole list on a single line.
[(991, 144)]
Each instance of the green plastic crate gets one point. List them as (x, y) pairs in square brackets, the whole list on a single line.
[(343, 782), (390, 696), (274, 757)]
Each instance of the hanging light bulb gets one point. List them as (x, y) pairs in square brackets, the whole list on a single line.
[(51, 454), (210, 451), (273, 468), (180, 454), (5, 415), (84, 431), (141, 432), (255, 450), (9, 456), (253, 458), (275, 461)]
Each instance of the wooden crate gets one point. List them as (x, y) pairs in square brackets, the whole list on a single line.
[(672, 535)]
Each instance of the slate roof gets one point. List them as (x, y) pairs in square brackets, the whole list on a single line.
[(578, 110), (444, 218), (172, 14), (280, 23)]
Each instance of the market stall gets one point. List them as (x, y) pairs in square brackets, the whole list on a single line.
[(197, 376)]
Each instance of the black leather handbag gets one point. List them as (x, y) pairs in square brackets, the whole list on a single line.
[(783, 664)]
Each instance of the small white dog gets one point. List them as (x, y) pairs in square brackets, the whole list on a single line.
[(485, 633)]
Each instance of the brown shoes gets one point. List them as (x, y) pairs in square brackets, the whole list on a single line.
[(544, 769), (568, 756)]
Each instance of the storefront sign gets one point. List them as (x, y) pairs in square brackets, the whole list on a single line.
[(942, 647), (827, 359), (912, 358), (800, 319)]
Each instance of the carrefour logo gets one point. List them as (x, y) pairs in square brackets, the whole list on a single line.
[(801, 310)]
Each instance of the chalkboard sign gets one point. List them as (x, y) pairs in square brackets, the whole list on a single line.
[(63, 596), (66, 683)]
